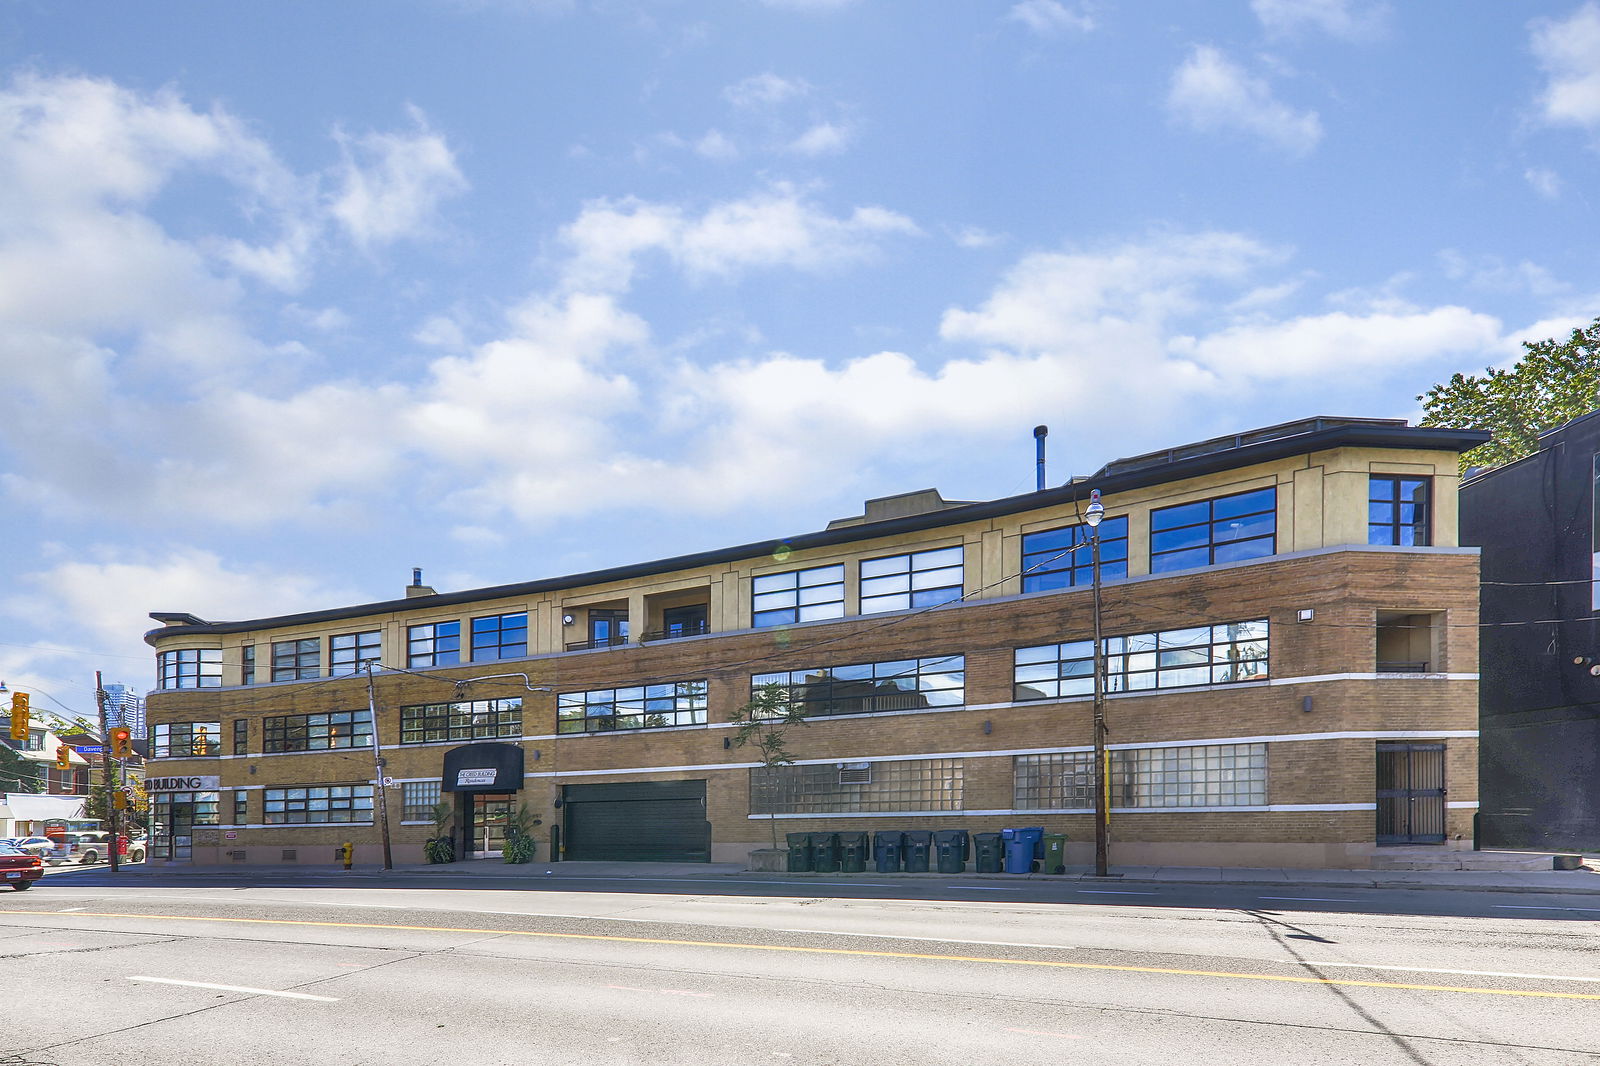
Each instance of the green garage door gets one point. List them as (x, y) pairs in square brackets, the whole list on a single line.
[(637, 821)]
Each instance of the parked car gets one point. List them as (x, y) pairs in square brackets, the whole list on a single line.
[(86, 849), (39, 846), (19, 868)]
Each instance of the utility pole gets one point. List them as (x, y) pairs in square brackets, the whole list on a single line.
[(377, 761), (109, 775), (1102, 771)]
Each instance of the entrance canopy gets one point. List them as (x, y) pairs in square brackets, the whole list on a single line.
[(483, 768), (37, 808)]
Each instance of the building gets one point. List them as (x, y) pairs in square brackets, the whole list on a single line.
[(1290, 630), (1535, 520), (124, 707), (33, 791)]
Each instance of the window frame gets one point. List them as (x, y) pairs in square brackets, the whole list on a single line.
[(1165, 658), (1210, 524), (432, 723), (777, 602), (189, 668), (1078, 566), (322, 731), (163, 736), (577, 712), (247, 664), (297, 660), (814, 690), (430, 636), (241, 736), (493, 650), (288, 803), (1392, 527), (924, 565), (352, 656), (414, 809)]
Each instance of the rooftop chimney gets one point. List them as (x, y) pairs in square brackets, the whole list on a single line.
[(417, 588), (1039, 434)]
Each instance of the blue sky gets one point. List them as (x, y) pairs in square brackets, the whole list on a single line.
[(297, 296)]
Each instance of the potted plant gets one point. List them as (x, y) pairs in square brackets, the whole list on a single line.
[(440, 847), (519, 843)]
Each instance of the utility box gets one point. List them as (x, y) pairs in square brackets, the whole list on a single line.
[(852, 852), (918, 843), (887, 847), (799, 853)]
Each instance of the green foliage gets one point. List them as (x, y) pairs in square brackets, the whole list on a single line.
[(439, 850), (763, 724), (1553, 383), (442, 814), (518, 849), (519, 843)]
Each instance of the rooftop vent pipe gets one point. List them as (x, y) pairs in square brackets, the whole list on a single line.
[(1039, 434)]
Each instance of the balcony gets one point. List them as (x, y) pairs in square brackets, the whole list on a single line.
[(673, 632), (614, 641), (1419, 666)]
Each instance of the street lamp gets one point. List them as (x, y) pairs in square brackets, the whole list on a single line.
[(1102, 794)]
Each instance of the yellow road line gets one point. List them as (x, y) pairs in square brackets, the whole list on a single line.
[(1054, 964)]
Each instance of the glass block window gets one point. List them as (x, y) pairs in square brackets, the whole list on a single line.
[(461, 720), (1170, 658), (241, 807), (501, 636), (637, 707), (348, 653), (1052, 560), (190, 668), (834, 788), (317, 732), (295, 660), (185, 740), (864, 688), (1211, 775), (1206, 532), (241, 736), (435, 644), (797, 596), (321, 803), (1398, 511), (417, 800), (919, 579), (247, 665)]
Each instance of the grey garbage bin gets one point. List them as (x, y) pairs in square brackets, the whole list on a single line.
[(918, 843), (887, 847)]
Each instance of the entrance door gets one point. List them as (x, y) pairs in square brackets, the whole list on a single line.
[(608, 628), (489, 817), (1410, 793), (684, 621)]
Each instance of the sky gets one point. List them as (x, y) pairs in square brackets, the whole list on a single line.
[(297, 296)]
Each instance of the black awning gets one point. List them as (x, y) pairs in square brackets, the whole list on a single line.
[(483, 768)]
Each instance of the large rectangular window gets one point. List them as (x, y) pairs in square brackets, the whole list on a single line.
[(500, 636), (317, 732), (864, 688), (1398, 510), (1051, 558), (918, 579), (435, 644), (462, 720), (417, 800), (864, 787), (1209, 775), (1206, 532), (185, 740), (636, 707), (320, 803), (1169, 658), (295, 660), (190, 668), (797, 596), (348, 653)]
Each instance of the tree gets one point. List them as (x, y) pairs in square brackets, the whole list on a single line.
[(763, 723), (1553, 383), (16, 773)]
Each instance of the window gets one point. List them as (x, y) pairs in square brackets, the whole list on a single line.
[(185, 740), (241, 736), (295, 660), (463, 720), (797, 596), (1170, 658), (863, 688), (501, 636), (348, 653), (317, 732), (35, 741), (325, 803), (1209, 775), (1224, 530), (241, 807), (832, 788), (636, 707), (435, 644), (247, 665), (901, 582), (1397, 510), (417, 800), (190, 668), (1409, 642), (1051, 561), (181, 809)]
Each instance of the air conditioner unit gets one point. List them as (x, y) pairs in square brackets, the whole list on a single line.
[(855, 773)]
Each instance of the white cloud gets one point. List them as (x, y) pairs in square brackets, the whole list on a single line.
[(975, 237), (808, 5), (1568, 50), (391, 184), (1050, 17), (765, 91), (715, 144), (825, 138), (1210, 93), (1351, 20), (1547, 183)]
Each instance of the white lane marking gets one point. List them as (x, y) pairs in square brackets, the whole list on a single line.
[(982, 888), (1311, 899), (709, 881), (1111, 892), (1468, 973), (933, 939), (235, 988), (1514, 907), (70, 910)]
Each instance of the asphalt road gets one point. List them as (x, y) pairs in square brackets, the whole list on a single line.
[(288, 974)]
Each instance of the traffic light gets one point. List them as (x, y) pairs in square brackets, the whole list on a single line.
[(19, 716), (63, 757), (119, 801), (121, 742)]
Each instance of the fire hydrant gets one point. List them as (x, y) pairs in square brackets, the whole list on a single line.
[(345, 852)]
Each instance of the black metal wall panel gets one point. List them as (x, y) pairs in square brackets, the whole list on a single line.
[(637, 821)]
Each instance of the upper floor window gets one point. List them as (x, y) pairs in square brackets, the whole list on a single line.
[(321, 803), (1170, 658), (185, 740), (500, 636), (864, 688), (349, 653), (190, 668), (463, 720), (1397, 510), (1221, 530), (317, 732), (635, 707), (918, 579), (435, 644), (241, 736), (797, 596), (35, 741), (1051, 558), (293, 660), (247, 665)]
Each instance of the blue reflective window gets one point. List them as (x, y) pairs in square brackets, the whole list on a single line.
[(1225, 529), (1052, 560), (501, 636), (1398, 510)]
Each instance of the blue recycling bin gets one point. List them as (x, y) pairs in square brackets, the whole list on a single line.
[(1034, 835), (1019, 855), (887, 846)]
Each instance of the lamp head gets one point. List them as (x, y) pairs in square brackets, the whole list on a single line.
[(1095, 511)]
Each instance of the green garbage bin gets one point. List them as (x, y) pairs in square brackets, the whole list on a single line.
[(825, 853), (852, 852), (1055, 853), (986, 846), (799, 853)]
